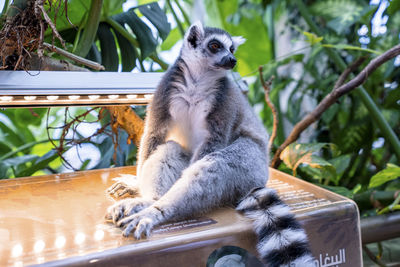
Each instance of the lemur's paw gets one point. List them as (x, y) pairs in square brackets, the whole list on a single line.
[(125, 208), (141, 223), (125, 186)]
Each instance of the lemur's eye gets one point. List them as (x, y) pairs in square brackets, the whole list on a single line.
[(214, 46)]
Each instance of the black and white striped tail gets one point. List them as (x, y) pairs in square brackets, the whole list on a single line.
[(281, 239)]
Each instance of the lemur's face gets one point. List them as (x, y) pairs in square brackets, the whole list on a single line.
[(212, 46)]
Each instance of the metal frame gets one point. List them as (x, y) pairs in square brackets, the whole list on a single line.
[(58, 88)]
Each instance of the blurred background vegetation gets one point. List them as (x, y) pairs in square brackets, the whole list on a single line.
[(305, 45)]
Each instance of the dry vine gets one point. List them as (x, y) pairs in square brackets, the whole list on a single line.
[(23, 34), (120, 117), (333, 96), (71, 123)]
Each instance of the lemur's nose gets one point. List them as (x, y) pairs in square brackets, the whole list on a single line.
[(231, 62), (227, 62)]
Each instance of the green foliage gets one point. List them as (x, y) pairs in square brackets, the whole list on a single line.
[(296, 154), (391, 173), (108, 47), (304, 74), (257, 49), (123, 37), (312, 38), (20, 154), (347, 124), (340, 15)]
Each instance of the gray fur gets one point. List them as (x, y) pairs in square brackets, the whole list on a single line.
[(202, 147)]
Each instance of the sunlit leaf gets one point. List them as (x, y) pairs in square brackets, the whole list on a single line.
[(351, 47), (112, 7), (76, 11), (391, 172), (258, 48), (296, 154), (312, 38), (173, 37)]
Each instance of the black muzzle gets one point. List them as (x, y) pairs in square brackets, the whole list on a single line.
[(228, 62)]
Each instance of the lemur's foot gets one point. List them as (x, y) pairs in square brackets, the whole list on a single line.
[(126, 207), (142, 222), (126, 186)]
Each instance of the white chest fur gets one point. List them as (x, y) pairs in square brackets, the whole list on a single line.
[(189, 108)]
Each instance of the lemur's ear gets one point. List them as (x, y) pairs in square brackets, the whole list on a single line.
[(194, 34), (238, 40)]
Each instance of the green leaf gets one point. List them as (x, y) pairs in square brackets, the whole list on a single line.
[(24, 148), (31, 116), (94, 54), (9, 136), (109, 53), (76, 11), (339, 190), (391, 172), (20, 160), (3, 171), (340, 164), (112, 7), (157, 17), (351, 47), (128, 53), (394, 7), (342, 13), (85, 164), (173, 37), (143, 33), (312, 38), (39, 164), (127, 50), (296, 154), (258, 48), (4, 147)]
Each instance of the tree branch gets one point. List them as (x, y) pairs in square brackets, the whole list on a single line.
[(343, 77), (376, 115), (51, 64), (331, 99), (78, 59), (128, 120)]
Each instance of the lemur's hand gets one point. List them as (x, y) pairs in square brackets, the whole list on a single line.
[(125, 208), (126, 186), (142, 222)]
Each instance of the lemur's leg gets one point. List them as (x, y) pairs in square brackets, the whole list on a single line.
[(218, 178), (159, 172)]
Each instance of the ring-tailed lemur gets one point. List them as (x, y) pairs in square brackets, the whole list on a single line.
[(203, 147)]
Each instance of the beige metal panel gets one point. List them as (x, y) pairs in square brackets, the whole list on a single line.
[(58, 220)]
